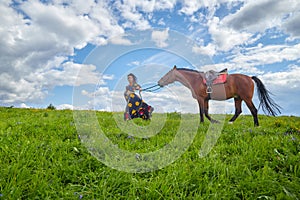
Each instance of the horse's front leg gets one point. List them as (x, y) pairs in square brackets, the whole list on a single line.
[(206, 112), (201, 108)]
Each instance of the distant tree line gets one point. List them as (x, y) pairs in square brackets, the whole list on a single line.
[(51, 107)]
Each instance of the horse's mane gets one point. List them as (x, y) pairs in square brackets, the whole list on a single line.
[(190, 70)]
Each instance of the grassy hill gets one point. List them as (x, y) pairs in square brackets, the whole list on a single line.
[(42, 157)]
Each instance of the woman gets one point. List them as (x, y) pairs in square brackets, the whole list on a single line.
[(135, 107)]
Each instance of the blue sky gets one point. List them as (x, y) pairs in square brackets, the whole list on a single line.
[(50, 48)]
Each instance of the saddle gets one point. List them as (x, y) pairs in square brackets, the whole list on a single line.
[(212, 77)]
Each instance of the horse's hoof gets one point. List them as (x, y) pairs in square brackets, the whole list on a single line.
[(230, 122)]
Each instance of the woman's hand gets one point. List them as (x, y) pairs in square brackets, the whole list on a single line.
[(139, 88)]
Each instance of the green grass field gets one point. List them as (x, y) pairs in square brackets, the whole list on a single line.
[(42, 157)]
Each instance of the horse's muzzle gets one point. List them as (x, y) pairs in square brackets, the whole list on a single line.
[(159, 84)]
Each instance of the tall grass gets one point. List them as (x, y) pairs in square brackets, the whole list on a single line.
[(41, 157)]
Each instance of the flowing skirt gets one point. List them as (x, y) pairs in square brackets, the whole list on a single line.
[(137, 108)]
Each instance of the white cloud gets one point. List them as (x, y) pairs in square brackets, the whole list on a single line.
[(286, 80), (65, 107), (160, 37), (59, 22), (100, 41), (134, 11), (34, 86), (102, 15), (251, 59), (190, 7), (120, 40), (224, 37), (292, 25), (75, 74), (69, 73), (134, 19), (239, 28), (150, 5), (232, 67), (101, 99), (270, 54), (257, 16), (84, 93), (134, 63), (23, 105), (285, 86), (108, 76), (209, 49), (161, 22), (163, 59), (35, 45)]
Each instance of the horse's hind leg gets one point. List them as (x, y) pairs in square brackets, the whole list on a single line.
[(253, 110), (238, 109)]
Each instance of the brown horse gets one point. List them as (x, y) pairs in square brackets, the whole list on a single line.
[(238, 86)]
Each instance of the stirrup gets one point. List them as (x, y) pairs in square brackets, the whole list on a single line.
[(209, 89)]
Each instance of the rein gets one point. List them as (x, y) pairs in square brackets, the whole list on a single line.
[(149, 89)]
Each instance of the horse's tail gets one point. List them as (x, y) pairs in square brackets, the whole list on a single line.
[(267, 103)]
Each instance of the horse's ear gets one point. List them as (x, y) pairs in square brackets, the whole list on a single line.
[(174, 67)]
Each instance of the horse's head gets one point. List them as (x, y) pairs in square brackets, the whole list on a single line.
[(168, 77)]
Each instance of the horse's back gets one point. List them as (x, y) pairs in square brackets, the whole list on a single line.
[(239, 78)]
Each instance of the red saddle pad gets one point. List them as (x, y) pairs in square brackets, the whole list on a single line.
[(221, 79)]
